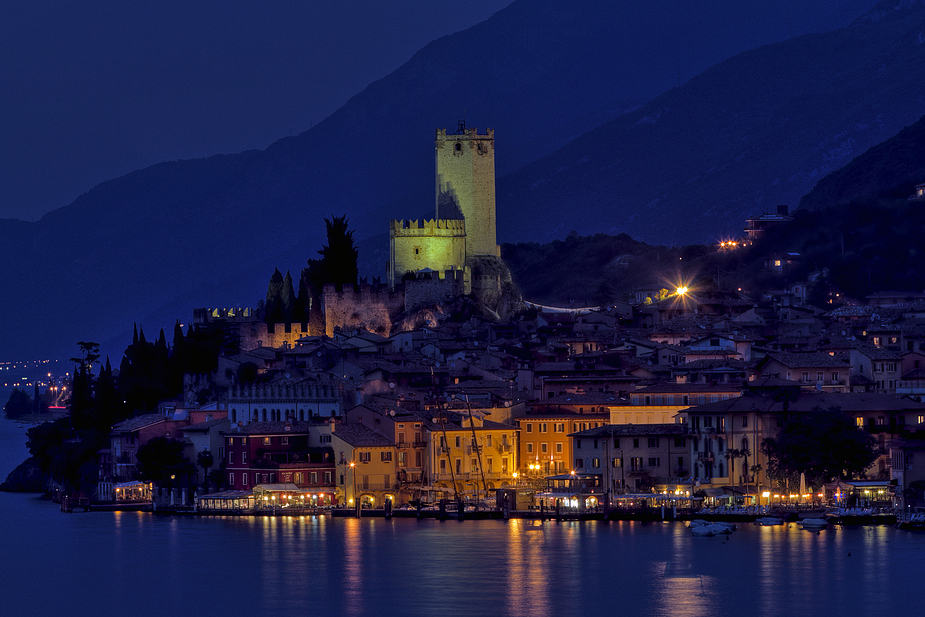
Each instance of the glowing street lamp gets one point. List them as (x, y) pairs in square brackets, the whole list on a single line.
[(356, 502)]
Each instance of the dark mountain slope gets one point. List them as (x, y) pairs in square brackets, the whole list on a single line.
[(889, 169), (540, 72), (756, 130)]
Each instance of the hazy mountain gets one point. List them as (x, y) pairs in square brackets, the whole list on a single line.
[(890, 169), (540, 72), (754, 131)]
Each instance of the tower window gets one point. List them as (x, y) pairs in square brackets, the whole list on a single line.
[(458, 147)]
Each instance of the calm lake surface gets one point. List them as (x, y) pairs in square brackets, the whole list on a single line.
[(140, 564)]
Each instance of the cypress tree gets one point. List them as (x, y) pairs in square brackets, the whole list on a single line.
[(340, 254), (287, 299), (274, 312)]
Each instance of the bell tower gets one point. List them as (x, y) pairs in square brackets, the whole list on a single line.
[(466, 185)]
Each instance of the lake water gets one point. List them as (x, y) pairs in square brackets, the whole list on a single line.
[(140, 564)]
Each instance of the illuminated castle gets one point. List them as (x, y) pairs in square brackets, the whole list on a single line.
[(464, 225), (430, 261)]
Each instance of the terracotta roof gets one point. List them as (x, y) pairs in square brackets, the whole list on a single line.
[(806, 401), (670, 388), (628, 430), (809, 360), (359, 435), (270, 428), (588, 398), (138, 422)]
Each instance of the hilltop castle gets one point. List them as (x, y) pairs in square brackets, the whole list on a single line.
[(430, 261), (464, 225)]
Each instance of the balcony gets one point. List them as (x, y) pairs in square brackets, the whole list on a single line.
[(503, 448), (705, 456), (402, 445), (473, 449)]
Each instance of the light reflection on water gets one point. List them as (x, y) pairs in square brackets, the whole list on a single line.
[(323, 566)]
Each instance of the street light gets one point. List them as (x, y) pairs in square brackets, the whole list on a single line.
[(356, 502)]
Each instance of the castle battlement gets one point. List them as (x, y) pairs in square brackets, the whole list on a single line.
[(206, 315), (467, 134), (420, 227)]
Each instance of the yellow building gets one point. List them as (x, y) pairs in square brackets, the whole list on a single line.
[(545, 445), (661, 403), (365, 465), (477, 454)]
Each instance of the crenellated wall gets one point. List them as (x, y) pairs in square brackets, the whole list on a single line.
[(438, 244), (251, 332)]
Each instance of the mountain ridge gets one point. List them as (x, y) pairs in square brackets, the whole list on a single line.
[(133, 243)]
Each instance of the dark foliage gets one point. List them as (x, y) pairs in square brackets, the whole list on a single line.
[(161, 460), (18, 405), (824, 444)]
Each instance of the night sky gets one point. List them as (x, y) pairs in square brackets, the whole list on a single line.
[(93, 90)]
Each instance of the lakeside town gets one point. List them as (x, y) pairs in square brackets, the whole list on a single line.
[(444, 386)]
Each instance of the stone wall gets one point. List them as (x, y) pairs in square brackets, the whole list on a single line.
[(369, 307), (427, 291)]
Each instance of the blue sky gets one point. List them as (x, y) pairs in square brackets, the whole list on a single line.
[(95, 89)]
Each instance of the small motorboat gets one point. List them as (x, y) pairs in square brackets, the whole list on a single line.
[(814, 523), (768, 521)]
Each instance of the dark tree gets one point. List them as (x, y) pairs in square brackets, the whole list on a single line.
[(287, 299), (825, 444), (18, 405), (339, 255), (81, 405), (205, 460), (274, 306), (338, 263), (161, 460)]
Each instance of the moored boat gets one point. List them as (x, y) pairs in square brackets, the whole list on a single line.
[(814, 523)]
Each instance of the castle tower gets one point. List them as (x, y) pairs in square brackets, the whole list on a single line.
[(466, 186)]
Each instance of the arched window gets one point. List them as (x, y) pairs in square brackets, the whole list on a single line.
[(745, 443)]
